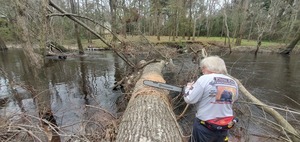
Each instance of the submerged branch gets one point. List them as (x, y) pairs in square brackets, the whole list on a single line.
[(279, 118)]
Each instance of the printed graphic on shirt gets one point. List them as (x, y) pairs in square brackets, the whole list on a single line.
[(186, 91), (225, 90), (225, 81), (225, 94)]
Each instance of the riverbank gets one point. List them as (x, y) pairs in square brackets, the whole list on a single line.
[(182, 45)]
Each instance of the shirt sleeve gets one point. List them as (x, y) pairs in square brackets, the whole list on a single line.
[(193, 94), (237, 92)]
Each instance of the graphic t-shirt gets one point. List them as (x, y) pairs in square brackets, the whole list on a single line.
[(213, 95)]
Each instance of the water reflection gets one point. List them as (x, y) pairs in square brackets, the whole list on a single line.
[(71, 85)]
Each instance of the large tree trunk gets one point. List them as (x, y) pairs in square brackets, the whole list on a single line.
[(291, 46), (41, 93), (34, 58), (149, 116)]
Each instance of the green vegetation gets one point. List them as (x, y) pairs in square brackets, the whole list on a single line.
[(5, 30), (180, 41)]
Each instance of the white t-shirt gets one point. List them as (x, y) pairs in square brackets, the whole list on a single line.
[(213, 95)]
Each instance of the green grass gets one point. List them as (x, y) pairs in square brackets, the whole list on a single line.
[(153, 39)]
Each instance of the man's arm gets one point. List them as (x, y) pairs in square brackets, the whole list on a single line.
[(193, 92)]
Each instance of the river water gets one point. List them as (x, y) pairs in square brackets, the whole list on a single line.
[(88, 80)]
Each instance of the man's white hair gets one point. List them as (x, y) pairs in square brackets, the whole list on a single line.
[(214, 64)]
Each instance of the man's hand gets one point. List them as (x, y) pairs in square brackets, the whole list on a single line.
[(189, 84), (188, 88)]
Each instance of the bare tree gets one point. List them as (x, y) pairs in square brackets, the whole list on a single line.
[(157, 16), (227, 28), (34, 58), (40, 92), (243, 8), (262, 20), (198, 14)]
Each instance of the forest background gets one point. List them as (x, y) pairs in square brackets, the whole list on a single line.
[(238, 21)]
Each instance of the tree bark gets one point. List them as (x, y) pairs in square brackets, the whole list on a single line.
[(34, 58), (149, 116)]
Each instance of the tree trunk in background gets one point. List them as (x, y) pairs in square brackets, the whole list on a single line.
[(210, 4), (227, 30), (38, 72), (243, 7), (175, 25), (34, 58), (259, 38), (77, 33), (194, 29), (157, 13), (149, 115), (183, 20), (250, 31), (190, 20), (2, 44), (291, 46), (113, 12)]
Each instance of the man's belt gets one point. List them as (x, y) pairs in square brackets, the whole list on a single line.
[(215, 127)]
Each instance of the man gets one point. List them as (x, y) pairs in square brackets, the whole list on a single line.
[(213, 95)]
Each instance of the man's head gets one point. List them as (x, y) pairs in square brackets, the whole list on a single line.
[(213, 64)]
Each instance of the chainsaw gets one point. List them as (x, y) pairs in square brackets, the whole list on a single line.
[(164, 86)]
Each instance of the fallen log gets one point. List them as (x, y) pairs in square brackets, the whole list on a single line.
[(279, 118), (149, 115)]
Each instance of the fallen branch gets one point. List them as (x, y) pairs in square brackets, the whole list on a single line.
[(92, 31), (279, 118)]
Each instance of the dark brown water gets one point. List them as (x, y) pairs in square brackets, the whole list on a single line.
[(77, 82), (73, 84), (272, 78)]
